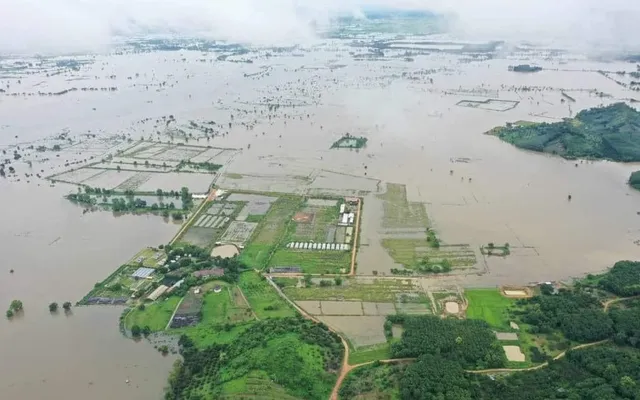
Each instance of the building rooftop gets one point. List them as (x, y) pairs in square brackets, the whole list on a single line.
[(143, 273)]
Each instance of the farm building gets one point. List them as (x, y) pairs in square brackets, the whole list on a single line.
[(342, 208), (142, 273), (209, 272), (157, 293), (175, 286)]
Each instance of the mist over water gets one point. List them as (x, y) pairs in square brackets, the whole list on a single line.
[(59, 26)]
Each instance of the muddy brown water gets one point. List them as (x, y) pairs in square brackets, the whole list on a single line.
[(415, 130), (57, 254)]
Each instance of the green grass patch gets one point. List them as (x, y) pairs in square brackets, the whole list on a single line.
[(255, 384), (313, 261), (262, 297), (370, 353), (221, 308), (489, 305), (270, 232), (156, 316), (399, 212), (410, 252), (207, 334)]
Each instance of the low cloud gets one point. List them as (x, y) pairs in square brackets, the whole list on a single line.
[(28, 26)]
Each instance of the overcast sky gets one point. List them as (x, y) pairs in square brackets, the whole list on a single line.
[(78, 25)]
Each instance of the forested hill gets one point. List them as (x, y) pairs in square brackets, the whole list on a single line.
[(611, 133)]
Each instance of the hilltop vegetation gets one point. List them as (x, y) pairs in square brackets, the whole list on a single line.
[(276, 358), (634, 180), (611, 133)]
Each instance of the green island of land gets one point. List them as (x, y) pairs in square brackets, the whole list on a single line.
[(603, 133), (349, 142), (634, 180)]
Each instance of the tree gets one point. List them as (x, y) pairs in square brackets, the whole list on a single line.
[(146, 331), (9, 314), (136, 331), (66, 305), (53, 307), (141, 307), (338, 281), (16, 305)]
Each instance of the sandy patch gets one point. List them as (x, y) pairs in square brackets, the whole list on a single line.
[(396, 331), (369, 308), (362, 331), (513, 325), (452, 307), (225, 251), (514, 353), (386, 308), (515, 292), (312, 307), (341, 308), (506, 336)]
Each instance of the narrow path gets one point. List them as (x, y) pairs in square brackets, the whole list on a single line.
[(544, 364), (174, 313), (345, 361), (248, 304), (355, 239), (608, 303)]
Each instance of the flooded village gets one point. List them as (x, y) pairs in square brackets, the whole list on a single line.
[(354, 173)]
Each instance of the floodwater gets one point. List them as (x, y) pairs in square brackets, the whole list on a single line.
[(57, 254), (416, 133)]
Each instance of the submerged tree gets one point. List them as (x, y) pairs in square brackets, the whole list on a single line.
[(53, 307)]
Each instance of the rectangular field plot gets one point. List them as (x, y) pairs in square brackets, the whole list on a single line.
[(361, 331), (269, 230), (379, 291), (341, 308), (188, 312), (199, 236), (195, 182), (313, 261), (489, 305), (109, 179), (315, 224), (399, 212), (238, 232), (135, 181), (409, 252), (77, 176)]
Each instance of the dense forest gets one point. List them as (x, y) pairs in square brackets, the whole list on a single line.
[(577, 315), (295, 355), (623, 279), (611, 133), (469, 343)]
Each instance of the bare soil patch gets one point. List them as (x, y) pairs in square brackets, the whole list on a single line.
[(514, 353), (360, 330), (369, 308), (225, 251), (516, 292), (311, 307), (506, 336), (341, 308), (452, 307)]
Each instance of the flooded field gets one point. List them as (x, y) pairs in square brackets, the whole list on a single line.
[(268, 126)]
